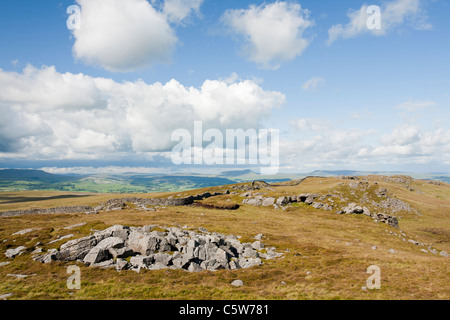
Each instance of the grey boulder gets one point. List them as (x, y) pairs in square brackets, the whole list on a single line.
[(12, 253)]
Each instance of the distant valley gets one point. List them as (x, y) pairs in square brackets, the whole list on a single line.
[(25, 180)]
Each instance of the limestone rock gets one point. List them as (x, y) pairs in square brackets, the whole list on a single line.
[(96, 255), (282, 201), (259, 236), (257, 245), (237, 283), (6, 296), (267, 202), (12, 253), (22, 232), (250, 262), (111, 243), (142, 261), (121, 264)]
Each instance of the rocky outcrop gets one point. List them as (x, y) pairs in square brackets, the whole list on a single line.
[(353, 208), (120, 203), (399, 179), (277, 202), (394, 205), (317, 201), (255, 185), (142, 203), (57, 210), (348, 177), (172, 248)]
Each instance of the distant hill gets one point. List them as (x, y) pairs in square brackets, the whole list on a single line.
[(21, 180), (34, 176), (235, 173), (184, 182), (340, 173), (440, 178)]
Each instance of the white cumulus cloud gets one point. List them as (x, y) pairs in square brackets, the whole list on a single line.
[(123, 35), (319, 143), (43, 119), (273, 33)]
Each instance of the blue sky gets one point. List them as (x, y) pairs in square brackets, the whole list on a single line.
[(365, 100)]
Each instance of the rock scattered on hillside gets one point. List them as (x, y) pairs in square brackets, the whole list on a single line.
[(237, 283), (348, 177), (12, 253), (326, 203), (6, 296), (255, 185), (399, 179), (22, 232), (259, 236), (75, 226)]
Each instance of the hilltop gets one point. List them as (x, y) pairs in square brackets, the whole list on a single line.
[(328, 229)]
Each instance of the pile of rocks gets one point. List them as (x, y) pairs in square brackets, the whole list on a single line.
[(348, 177), (255, 185), (277, 202), (394, 205), (399, 179), (152, 247), (353, 208)]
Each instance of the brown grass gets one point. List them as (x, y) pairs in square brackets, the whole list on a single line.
[(336, 249)]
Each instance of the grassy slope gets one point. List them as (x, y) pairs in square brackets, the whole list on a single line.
[(336, 249)]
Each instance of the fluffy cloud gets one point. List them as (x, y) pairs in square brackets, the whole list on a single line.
[(273, 32), (49, 115), (122, 35), (393, 14), (313, 84), (47, 89), (411, 141), (319, 144), (179, 10)]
